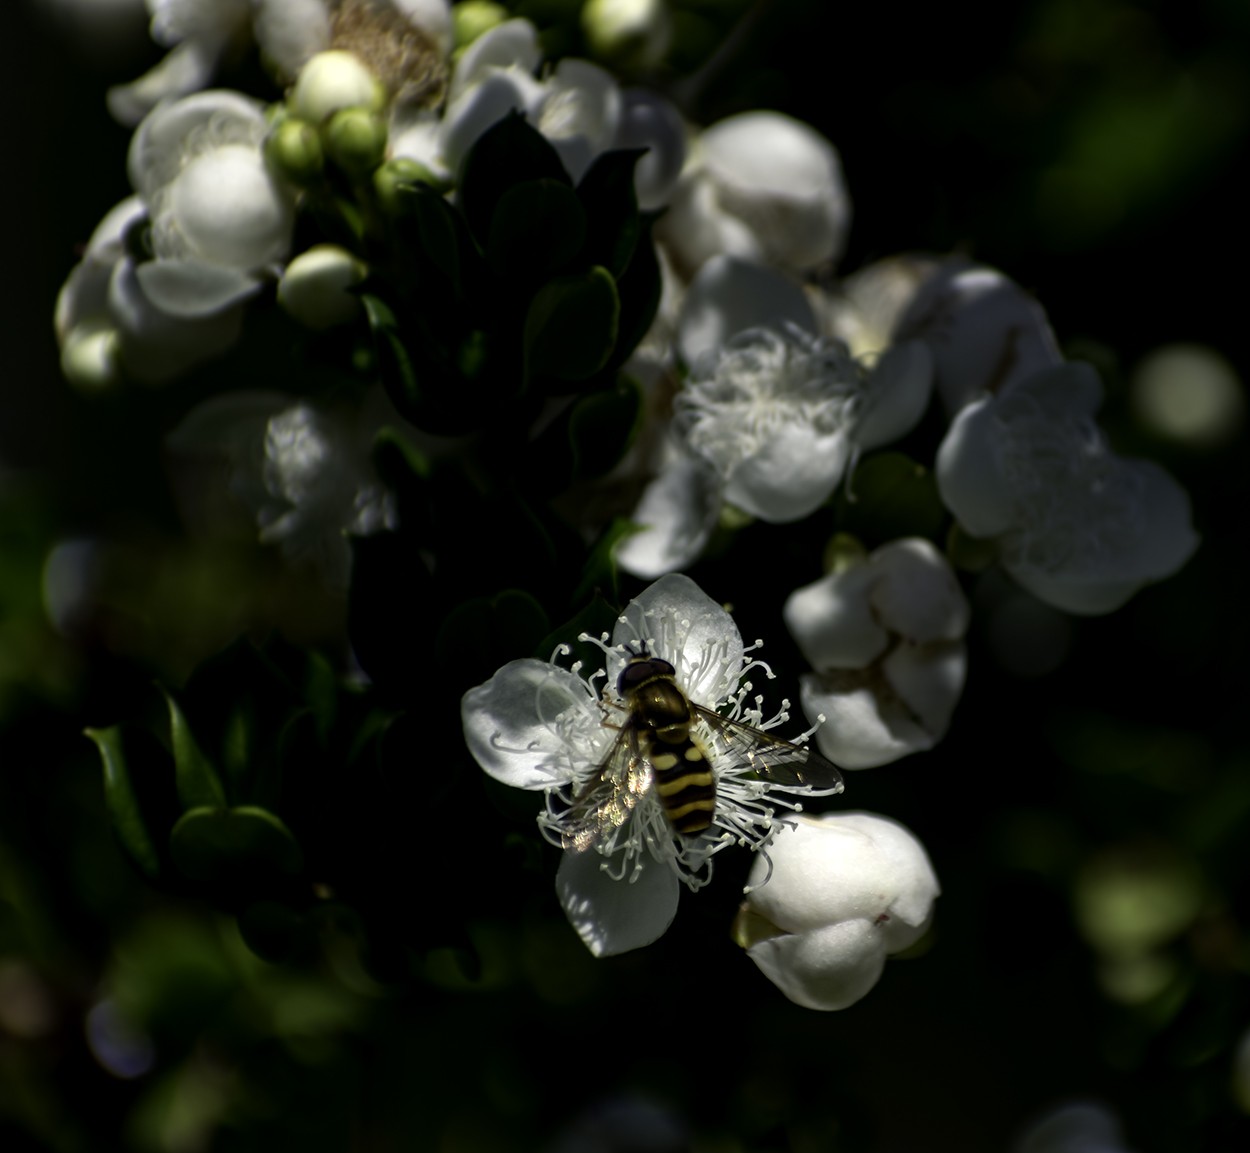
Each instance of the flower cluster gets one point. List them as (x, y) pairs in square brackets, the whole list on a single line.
[(544, 330)]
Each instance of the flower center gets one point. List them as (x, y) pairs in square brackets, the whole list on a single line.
[(740, 396)]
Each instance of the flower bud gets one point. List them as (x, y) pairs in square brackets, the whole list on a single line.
[(89, 357), (332, 81), (474, 17), (837, 895), (633, 32), (394, 175), (294, 150), (316, 287), (355, 140)]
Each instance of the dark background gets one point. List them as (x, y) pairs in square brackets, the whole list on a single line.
[(1096, 152)]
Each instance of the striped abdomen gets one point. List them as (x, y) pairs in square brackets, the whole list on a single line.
[(663, 721)]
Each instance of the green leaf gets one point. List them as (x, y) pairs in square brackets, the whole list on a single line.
[(600, 573), (537, 228), (639, 288), (571, 326), (399, 376), (441, 234), (891, 496), (597, 618), (611, 208), (602, 426), (121, 798), (197, 780), (481, 634), (230, 845), (508, 153)]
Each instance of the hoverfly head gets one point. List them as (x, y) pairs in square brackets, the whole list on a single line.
[(640, 669)]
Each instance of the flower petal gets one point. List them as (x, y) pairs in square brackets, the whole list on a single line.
[(190, 288), (184, 70), (832, 621), (846, 866), (614, 916), (533, 725), (790, 476), (678, 510), (827, 969), (916, 594), (729, 295), (691, 631), (986, 332), (866, 725), (898, 394), (969, 472)]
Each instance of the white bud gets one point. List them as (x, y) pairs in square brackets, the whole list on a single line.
[(334, 80), (89, 356), (845, 890), (316, 287)]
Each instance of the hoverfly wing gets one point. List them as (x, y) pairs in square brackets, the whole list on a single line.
[(771, 758), (606, 802)]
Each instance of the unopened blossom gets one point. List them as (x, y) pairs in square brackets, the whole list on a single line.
[(1073, 1127), (770, 416), (536, 725), (316, 287), (885, 636), (837, 895), (761, 186), (985, 332), (302, 471), (636, 33), (1076, 525)]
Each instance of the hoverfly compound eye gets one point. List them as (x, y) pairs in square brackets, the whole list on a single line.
[(640, 670)]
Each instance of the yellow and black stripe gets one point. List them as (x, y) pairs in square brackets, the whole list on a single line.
[(663, 720)]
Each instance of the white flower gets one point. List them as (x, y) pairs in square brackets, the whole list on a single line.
[(577, 107), (1076, 525), (535, 725), (649, 121), (760, 186), (885, 635), (844, 891), (986, 333), (769, 418), (303, 472), (219, 217), (106, 325)]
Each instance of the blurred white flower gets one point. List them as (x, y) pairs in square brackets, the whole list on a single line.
[(107, 327), (218, 215), (885, 636), (199, 33), (985, 332), (1076, 525), (770, 416), (650, 121), (1190, 394), (1074, 1127), (535, 725), (760, 186), (634, 33), (303, 472), (577, 107), (838, 894)]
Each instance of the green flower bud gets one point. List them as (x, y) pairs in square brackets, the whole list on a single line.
[(332, 81), (316, 287), (355, 139), (294, 151), (473, 17), (392, 176), (629, 32)]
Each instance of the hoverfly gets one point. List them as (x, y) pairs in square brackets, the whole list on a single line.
[(661, 748)]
